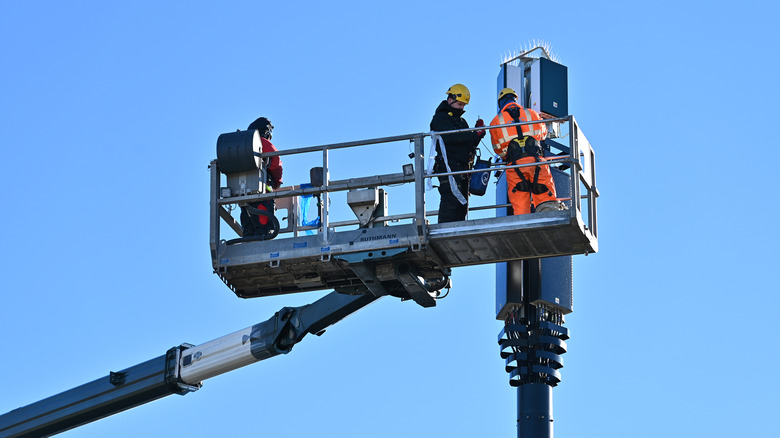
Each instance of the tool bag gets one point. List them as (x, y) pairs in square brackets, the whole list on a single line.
[(479, 180)]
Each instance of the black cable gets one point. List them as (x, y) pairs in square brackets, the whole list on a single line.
[(272, 220)]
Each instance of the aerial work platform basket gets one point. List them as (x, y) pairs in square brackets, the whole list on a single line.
[(399, 254)]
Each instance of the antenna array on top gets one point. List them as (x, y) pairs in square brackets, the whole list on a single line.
[(545, 49)]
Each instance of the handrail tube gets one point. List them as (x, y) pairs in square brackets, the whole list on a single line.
[(514, 166), (333, 186), (347, 144), (489, 127), (390, 218), (396, 217), (357, 183)]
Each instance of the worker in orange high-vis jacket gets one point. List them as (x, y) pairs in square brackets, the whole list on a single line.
[(528, 187)]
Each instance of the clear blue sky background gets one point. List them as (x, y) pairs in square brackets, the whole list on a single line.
[(109, 115)]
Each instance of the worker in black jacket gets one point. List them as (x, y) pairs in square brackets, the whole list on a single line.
[(458, 154)]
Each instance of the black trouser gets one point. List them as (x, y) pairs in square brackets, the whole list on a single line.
[(450, 209)]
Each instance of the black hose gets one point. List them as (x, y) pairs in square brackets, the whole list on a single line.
[(437, 284), (272, 220)]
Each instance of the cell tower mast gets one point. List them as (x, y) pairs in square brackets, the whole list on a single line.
[(533, 295)]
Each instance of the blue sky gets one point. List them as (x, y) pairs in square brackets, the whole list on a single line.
[(109, 116)]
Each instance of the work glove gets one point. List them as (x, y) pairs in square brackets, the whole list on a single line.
[(500, 162), (480, 123)]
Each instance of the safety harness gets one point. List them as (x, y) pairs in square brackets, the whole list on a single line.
[(530, 148)]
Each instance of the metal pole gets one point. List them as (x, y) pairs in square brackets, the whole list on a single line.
[(576, 170), (533, 338), (214, 211), (419, 186), (325, 198), (534, 411)]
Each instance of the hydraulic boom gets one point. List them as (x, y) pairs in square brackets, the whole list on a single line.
[(180, 370)]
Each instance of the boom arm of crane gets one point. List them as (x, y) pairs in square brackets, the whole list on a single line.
[(180, 370)]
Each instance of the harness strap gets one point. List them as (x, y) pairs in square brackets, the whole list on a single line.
[(526, 186)]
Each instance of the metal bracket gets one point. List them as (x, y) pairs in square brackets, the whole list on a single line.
[(172, 376), (117, 378), (368, 277), (416, 288)]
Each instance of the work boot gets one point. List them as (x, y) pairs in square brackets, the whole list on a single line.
[(551, 206)]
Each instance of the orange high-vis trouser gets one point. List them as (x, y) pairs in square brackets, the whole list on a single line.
[(521, 200)]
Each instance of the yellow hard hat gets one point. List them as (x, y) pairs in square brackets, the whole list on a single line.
[(460, 93), (506, 91)]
